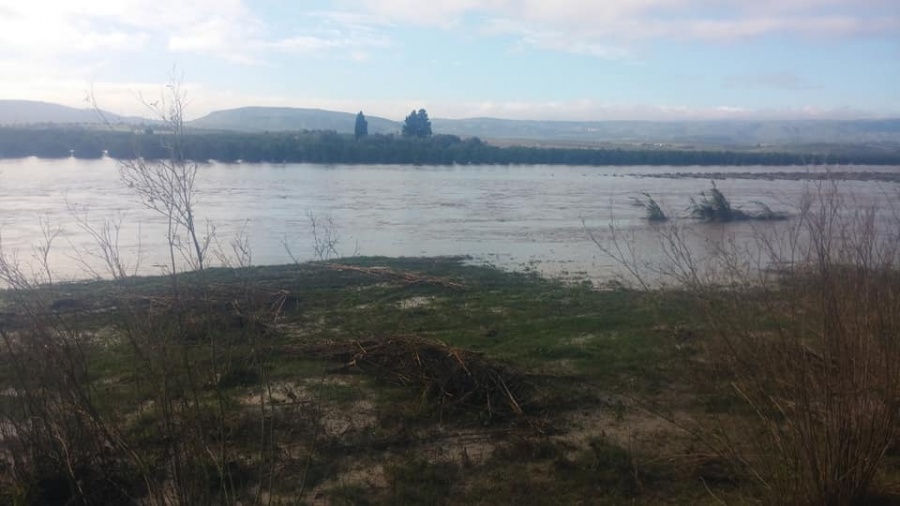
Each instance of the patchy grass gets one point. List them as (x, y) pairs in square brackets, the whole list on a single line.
[(595, 363)]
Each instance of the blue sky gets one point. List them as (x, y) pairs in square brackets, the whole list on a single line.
[(522, 59)]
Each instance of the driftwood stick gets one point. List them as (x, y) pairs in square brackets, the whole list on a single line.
[(406, 277)]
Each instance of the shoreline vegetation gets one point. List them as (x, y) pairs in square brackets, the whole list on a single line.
[(331, 147), (372, 380)]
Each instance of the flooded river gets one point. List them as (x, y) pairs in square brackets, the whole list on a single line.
[(516, 217)]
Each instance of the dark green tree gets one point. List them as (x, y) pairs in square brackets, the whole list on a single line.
[(362, 126), (417, 124)]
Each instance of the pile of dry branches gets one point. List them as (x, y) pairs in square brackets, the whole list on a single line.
[(456, 379), (404, 277)]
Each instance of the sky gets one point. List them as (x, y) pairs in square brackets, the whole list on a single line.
[(517, 59)]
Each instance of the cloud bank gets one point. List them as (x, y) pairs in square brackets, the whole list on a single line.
[(56, 49)]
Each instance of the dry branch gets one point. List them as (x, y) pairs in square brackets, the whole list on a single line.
[(456, 379), (410, 278)]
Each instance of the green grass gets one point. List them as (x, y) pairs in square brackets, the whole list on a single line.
[(578, 346), (515, 317)]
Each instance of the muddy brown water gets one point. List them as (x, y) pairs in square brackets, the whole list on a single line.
[(515, 217)]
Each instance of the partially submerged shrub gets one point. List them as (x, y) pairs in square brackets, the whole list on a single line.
[(715, 207), (651, 206)]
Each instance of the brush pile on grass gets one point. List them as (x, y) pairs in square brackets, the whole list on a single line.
[(456, 380)]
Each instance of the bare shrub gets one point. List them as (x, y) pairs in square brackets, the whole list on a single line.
[(160, 428), (802, 329), (56, 440), (325, 236), (167, 186)]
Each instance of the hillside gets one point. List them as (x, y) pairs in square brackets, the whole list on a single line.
[(877, 134), (26, 112), (721, 132), (699, 133), (279, 119)]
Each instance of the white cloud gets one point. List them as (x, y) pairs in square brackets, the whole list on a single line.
[(786, 81), (223, 38), (231, 30), (124, 98), (815, 26), (55, 28), (323, 41), (445, 13), (51, 50), (608, 28), (593, 110), (555, 40), (226, 29)]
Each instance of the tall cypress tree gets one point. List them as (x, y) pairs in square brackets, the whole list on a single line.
[(362, 126)]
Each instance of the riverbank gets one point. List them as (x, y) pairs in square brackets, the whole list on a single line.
[(329, 147), (363, 381)]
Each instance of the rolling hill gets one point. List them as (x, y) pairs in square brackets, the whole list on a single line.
[(278, 119), (718, 132), (878, 133), (28, 112), (700, 133)]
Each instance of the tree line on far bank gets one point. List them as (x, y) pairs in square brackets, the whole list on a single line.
[(332, 147)]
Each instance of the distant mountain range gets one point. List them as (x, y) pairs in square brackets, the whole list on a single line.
[(876, 132), (29, 112), (698, 133), (280, 119)]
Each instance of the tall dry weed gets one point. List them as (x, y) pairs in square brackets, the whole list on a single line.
[(802, 327)]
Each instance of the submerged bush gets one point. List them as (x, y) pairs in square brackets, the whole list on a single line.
[(715, 207), (651, 206)]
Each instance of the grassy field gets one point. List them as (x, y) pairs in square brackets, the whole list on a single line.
[(367, 381)]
